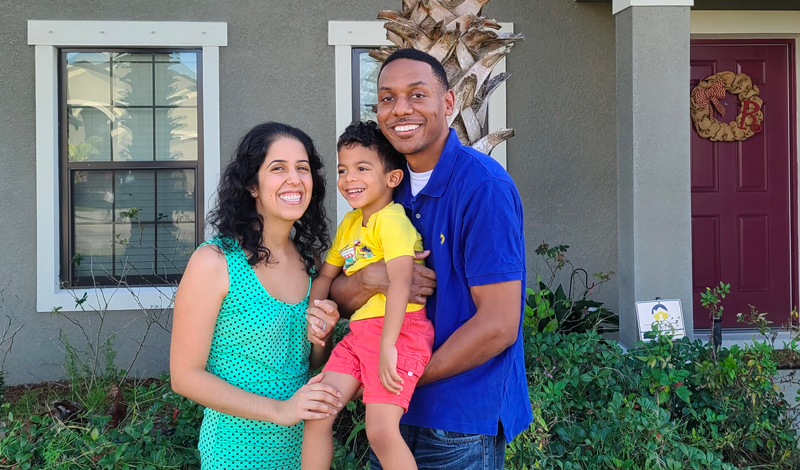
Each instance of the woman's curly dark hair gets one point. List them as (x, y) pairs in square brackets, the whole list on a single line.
[(235, 215)]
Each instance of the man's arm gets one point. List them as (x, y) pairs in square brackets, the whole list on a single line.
[(491, 331), (351, 292)]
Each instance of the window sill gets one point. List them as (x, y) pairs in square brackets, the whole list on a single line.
[(116, 298)]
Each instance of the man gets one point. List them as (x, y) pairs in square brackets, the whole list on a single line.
[(472, 398)]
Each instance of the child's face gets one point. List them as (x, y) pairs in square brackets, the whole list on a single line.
[(362, 179)]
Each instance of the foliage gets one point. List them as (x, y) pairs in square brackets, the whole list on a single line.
[(552, 310), (662, 404), (160, 432), (711, 299)]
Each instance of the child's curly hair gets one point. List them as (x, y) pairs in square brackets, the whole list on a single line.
[(368, 134)]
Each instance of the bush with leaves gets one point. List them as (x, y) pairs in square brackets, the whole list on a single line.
[(569, 310), (160, 432), (662, 404)]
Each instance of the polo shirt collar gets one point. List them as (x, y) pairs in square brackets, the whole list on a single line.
[(443, 169)]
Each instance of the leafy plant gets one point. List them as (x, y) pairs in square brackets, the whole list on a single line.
[(552, 310), (711, 299), (661, 404)]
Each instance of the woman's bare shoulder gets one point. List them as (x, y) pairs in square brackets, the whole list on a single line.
[(208, 266)]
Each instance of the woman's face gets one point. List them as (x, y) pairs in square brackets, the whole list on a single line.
[(285, 183)]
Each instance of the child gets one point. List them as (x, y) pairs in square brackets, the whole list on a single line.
[(390, 340)]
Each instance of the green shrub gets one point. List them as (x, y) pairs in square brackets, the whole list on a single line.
[(160, 432), (659, 405), (555, 309)]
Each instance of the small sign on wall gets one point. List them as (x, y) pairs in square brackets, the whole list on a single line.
[(668, 314)]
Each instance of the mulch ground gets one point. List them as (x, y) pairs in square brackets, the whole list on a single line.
[(787, 359), (45, 393)]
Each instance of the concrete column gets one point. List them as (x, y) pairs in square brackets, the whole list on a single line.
[(653, 157)]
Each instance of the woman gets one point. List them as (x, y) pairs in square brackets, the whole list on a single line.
[(239, 337)]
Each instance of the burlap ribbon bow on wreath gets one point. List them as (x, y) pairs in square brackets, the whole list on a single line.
[(709, 91)]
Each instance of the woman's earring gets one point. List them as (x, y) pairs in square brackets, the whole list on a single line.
[(253, 193)]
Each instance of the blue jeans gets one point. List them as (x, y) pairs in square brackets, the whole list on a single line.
[(446, 450)]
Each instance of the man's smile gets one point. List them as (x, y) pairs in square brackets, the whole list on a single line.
[(406, 128)]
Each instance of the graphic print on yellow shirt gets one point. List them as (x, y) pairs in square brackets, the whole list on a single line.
[(388, 235), (354, 252)]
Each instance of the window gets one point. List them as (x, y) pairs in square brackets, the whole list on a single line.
[(127, 143), (130, 163), (365, 85)]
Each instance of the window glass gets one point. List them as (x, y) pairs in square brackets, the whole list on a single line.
[(131, 162), (366, 69)]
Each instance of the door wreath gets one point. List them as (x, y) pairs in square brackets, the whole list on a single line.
[(705, 99)]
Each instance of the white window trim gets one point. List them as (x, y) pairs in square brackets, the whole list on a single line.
[(344, 35), (47, 37), (620, 5)]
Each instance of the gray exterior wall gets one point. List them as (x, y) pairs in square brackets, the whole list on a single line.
[(278, 66), (654, 231)]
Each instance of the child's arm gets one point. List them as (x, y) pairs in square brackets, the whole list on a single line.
[(320, 288), (400, 271)]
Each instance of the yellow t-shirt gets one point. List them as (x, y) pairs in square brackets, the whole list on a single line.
[(388, 235)]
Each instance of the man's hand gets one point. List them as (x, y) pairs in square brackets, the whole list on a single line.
[(423, 280)]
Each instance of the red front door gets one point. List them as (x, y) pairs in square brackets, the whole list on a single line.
[(742, 211)]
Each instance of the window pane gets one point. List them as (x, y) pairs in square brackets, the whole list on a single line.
[(93, 197), (133, 134), (187, 57), (176, 134), (132, 57), (176, 242), (88, 79), (368, 80), (176, 196), (134, 194), (89, 133), (176, 84), (133, 83), (93, 251), (137, 256)]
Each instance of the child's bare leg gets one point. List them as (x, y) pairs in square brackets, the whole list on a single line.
[(383, 432), (318, 433)]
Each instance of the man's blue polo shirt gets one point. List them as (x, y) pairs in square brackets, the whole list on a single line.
[(470, 217)]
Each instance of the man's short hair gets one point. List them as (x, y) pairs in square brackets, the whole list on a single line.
[(414, 54), (368, 134)]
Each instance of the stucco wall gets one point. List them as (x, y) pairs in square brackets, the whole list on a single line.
[(277, 65), (562, 105)]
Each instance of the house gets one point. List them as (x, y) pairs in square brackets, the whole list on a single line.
[(118, 116)]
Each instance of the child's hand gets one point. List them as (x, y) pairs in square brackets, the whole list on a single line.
[(390, 379), (321, 319), (313, 335)]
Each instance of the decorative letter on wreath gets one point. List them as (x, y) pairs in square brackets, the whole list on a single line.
[(705, 100)]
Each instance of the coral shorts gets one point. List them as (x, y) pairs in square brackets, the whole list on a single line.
[(358, 355)]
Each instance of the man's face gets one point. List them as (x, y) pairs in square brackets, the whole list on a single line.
[(412, 106)]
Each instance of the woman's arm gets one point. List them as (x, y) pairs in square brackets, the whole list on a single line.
[(197, 303)]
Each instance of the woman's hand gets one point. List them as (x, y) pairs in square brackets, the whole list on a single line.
[(314, 400), (321, 318)]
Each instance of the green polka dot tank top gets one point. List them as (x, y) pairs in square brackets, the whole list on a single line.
[(259, 345)]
